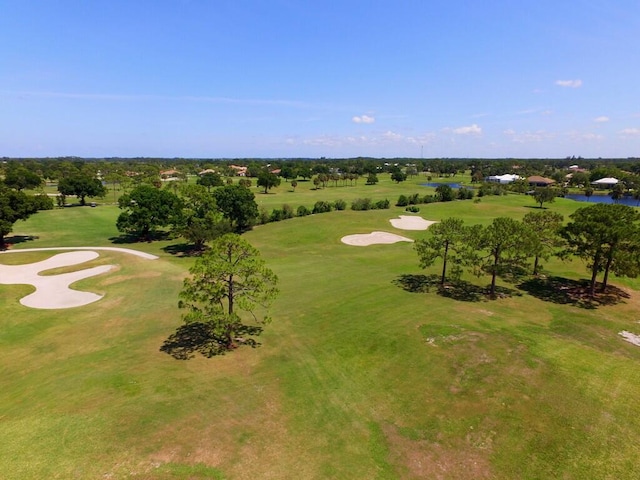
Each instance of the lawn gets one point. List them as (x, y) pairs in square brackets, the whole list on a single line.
[(358, 376)]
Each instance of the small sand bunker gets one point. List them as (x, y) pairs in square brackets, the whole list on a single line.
[(630, 337), (52, 291), (410, 222), (373, 238)]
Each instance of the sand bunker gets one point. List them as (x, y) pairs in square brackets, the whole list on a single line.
[(53, 291), (373, 238), (409, 222), (630, 337)]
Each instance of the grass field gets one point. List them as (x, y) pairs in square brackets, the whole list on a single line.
[(356, 378)]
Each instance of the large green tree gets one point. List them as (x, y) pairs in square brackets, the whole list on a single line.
[(210, 179), (14, 206), (201, 221), (229, 286), (498, 247), (82, 186), (21, 178), (607, 237), (544, 195), (238, 205), (545, 227), (447, 241), (146, 208), (268, 180)]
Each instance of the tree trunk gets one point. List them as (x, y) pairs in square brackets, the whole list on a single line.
[(3, 246), (230, 294), (535, 265), (494, 273), (444, 265), (606, 269), (594, 274)]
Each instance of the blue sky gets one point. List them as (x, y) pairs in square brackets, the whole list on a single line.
[(293, 78)]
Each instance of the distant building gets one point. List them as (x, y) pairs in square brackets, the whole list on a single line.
[(607, 182), (538, 181), (503, 179), (240, 171)]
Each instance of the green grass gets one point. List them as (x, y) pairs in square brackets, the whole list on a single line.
[(356, 377)]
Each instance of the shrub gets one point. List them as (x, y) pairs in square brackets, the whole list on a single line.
[(322, 207), (403, 201), (414, 199), (263, 216), (287, 211), (361, 204), (303, 211), (42, 202), (464, 194), (382, 204), (340, 205), (412, 209), (429, 199)]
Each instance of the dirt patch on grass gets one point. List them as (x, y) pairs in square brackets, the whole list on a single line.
[(424, 459), (113, 279)]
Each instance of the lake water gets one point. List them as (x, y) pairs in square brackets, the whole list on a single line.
[(601, 199), (436, 184)]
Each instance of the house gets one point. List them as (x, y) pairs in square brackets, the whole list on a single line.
[(208, 170), (169, 174), (502, 179), (607, 182), (240, 171), (538, 181)]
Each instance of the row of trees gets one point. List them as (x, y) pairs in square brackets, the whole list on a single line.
[(606, 237)]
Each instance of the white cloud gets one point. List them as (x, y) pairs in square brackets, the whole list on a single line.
[(627, 132), (601, 119), (363, 119), (469, 130), (569, 83), (528, 137)]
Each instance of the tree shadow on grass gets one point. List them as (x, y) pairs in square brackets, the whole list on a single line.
[(195, 338), (571, 292), (16, 239), (460, 290), (130, 238), (183, 250)]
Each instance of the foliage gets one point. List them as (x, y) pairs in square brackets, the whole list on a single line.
[(303, 211), (398, 175), (210, 179), (82, 186), (545, 227), (448, 241), (607, 237), (200, 220), (339, 204), (237, 205), (372, 179), (42, 201), (544, 195), (14, 205), (444, 193), (268, 180), (228, 278), (412, 209), (21, 178), (403, 201), (146, 208), (322, 207)]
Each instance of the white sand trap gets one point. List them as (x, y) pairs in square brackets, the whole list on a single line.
[(630, 337), (130, 251), (373, 238), (53, 291), (410, 222)]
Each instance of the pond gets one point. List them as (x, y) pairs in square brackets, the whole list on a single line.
[(437, 184), (601, 199)]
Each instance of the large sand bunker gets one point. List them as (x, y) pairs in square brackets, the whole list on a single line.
[(53, 291), (409, 222), (373, 238)]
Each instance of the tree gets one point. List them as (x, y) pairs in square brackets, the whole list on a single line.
[(82, 185), (14, 206), (294, 184), (372, 179), (237, 205), (607, 237), (268, 180), (500, 246), (447, 241), (444, 193), (544, 195), (398, 175), (617, 192), (200, 221), (588, 192), (228, 278), (146, 208), (21, 178), (210, 179), (545, 226)]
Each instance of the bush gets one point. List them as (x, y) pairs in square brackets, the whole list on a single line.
[(263, 216), (303, 211), (412, 209), (42, 202), (464, 194), (429, 199), (414, 199), (382, 204), (403, 201), (322, 207), (287, 211), (340, 204), (361, 204)]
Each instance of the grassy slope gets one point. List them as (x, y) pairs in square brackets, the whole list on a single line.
[(356, 378)]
